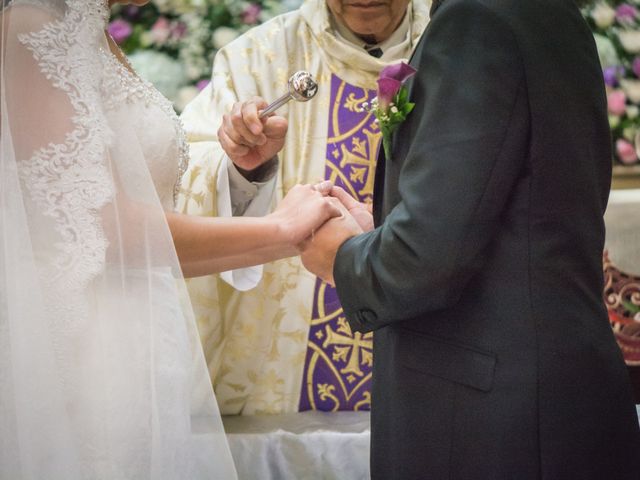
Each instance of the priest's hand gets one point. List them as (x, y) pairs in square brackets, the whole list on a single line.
[(319, 251), (361, 212), (248, 140)]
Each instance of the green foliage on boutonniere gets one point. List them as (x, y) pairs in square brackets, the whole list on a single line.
[(396, 113)]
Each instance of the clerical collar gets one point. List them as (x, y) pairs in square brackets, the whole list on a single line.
[(399, 36)]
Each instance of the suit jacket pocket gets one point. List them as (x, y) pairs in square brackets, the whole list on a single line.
[(447, 360)]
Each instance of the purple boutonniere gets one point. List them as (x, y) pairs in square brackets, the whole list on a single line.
[(392, 104)]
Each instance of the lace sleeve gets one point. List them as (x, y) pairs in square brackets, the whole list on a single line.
[(59, 141)]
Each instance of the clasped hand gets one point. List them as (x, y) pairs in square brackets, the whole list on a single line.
[(319, 251)]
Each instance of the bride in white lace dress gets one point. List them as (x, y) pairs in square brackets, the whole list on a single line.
[(101, 370)]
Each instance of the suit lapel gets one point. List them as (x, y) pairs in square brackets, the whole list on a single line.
[(378, 189), (415, 60), (435, 4)]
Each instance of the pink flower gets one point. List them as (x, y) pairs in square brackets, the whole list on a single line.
[(617, 102), (161, 30), (120, 30), (202, 84), (251, 14), (391, 79), (626, 152)]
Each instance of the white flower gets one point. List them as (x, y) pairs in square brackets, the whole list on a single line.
[(394, 109), (632, 111), (606, 51), (146, 39), (222, 36), (195, 70), (630, 40), (160, 69), (629, 133), (603, 15), (614, 121), (185, 95), (631, 88), (178, 6)]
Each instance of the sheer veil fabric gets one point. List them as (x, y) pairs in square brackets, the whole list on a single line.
[(101, 370)]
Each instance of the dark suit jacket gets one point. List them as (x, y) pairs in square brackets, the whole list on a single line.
[(493, 356)]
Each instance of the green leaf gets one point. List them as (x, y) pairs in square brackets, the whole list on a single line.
[(632, 307), (404, 94), (408, 108)]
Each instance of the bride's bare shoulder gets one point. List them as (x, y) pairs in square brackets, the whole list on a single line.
[(25, 16)]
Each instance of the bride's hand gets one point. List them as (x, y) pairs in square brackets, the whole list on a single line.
[(360, 211), (303, 211)]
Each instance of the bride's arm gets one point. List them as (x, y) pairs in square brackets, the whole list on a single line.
[(207, 245)]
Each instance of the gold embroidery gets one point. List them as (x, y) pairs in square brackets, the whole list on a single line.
[(358, 156), (343, 342), (354, 104)]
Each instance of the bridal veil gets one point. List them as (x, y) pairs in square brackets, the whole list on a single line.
[(101, 370)]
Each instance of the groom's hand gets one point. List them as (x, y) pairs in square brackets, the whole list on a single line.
[(248, 140), (319, 251)]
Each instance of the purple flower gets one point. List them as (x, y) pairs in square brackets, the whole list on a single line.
[(131, 12), (178, 30), (391, 80), (120, 30), (611, 75), (251, 14), (635, 66), (626, 13), (202, 84), (398, 71)]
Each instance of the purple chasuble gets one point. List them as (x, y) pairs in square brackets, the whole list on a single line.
[(337, 372)]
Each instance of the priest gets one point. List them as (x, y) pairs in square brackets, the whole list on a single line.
[(275, 337)]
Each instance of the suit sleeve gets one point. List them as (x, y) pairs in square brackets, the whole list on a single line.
[(471, 125)]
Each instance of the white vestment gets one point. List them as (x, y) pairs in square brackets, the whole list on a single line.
[(256, 342)]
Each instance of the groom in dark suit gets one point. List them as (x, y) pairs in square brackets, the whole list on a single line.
[(493, 356)]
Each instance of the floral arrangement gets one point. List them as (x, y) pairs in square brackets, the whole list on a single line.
[(616, 28), (392, 104), (171, 43)]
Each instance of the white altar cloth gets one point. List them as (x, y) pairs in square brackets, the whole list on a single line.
[(300, 446)]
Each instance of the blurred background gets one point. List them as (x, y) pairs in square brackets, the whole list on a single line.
[(171, 43)]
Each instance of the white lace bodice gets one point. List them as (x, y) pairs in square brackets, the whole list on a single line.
[(137, 103)]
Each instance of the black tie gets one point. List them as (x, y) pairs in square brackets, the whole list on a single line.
[(373, 51)]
